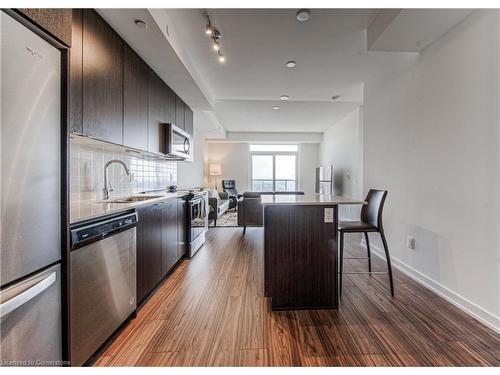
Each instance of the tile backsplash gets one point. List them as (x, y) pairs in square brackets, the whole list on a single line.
[(87, 171)]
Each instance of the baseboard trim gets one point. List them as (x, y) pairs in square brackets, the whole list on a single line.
[(454, 298)]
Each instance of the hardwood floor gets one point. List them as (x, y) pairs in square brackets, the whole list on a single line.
[(211, 312)]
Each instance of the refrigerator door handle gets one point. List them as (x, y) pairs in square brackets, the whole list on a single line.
[(27, 295)]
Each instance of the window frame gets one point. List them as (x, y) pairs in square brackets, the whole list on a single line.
[(274, 154)]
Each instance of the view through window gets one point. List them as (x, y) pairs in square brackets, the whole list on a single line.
[(274, 167)]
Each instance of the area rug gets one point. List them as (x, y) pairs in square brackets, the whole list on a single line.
[(229, 219)]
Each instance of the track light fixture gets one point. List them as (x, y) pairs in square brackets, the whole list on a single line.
[(213, 33)]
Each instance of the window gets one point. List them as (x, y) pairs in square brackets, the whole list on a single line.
[(274, 167), (274, 148)]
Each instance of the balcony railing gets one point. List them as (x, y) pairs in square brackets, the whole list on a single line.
[(274, 185)]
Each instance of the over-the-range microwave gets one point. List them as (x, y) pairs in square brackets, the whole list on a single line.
[(176, 142)]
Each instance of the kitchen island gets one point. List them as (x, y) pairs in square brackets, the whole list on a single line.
[(300, 250)]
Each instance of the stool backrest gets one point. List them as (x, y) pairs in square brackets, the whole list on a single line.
[(372, 212)]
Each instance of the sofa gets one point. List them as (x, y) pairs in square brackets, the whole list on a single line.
[(251, 211), (218, 204)]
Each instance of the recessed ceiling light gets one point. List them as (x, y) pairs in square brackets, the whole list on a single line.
[(276, 107), (221, 57), (303, 15), (291, 64), (335, 98), (141, 24), (284, 97)]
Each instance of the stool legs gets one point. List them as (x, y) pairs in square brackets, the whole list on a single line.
[(389, 267), (368, 251), (341, 251), (341, 259)]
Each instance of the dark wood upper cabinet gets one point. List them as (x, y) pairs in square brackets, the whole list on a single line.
[(155, 110), (102, 79), (169, 105), (188, 120), (179, 112), (75, 73), (114, 95), (135, 99), (55, 21)]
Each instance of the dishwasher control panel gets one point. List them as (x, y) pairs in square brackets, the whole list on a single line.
[(88, 233)]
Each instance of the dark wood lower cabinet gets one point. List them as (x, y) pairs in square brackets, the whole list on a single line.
[(149, 251), (160, 242), (181, 227), (169, 246)]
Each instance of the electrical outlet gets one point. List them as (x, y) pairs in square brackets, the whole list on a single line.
[(328, 215), (410, 242)]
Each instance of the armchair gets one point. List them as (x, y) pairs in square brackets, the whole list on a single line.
[(218, 203), (229, 186)]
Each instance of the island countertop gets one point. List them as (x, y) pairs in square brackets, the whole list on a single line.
[(308, 200)]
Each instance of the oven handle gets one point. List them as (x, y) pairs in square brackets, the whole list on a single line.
[(194, 202)]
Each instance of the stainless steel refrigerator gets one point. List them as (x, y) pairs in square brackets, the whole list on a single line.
[(324, 180), (30, 197)]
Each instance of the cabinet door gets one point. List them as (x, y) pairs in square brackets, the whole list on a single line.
[(169, 236), (169, 105), (181, 227), (155, 111), (188, 120), (75, 73), (102, 79), (135, 99), (149, 251), (179, 112), (56, 21)]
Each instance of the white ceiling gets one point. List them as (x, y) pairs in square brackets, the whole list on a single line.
[(330, 50), (292, 116), (414, 29)]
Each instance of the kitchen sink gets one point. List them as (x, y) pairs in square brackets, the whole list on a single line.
[(134, 198)]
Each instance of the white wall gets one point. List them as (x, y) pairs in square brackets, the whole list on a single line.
[(308, 161), (342, 147), (431, 138), (235, 160)]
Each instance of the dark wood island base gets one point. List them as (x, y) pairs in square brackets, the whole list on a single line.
[(300, 245)]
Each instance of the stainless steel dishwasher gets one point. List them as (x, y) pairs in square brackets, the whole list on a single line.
[(102, 282)]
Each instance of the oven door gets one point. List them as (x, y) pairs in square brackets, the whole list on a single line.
[(198, 217)]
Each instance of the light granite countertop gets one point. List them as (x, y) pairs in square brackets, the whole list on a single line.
[(308, 200), (82, 211)]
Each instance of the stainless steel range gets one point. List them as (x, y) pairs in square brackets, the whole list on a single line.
[(197, 220)]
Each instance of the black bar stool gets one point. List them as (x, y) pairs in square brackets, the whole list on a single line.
[(371, 221)]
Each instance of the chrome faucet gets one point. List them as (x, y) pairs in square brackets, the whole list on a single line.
[(106, 190)]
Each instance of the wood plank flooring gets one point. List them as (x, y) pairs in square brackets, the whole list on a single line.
[(211, 312)]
